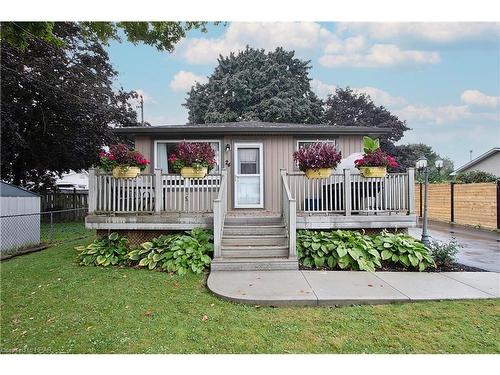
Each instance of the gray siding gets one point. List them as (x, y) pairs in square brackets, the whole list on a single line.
[(490, 165), (278, 150)]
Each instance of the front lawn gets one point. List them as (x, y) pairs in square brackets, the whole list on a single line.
[(51, 304)]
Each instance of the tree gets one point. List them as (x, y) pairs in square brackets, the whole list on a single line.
[(162, 35), (347, 107), (254, 85), (407, 156), (58, 104)]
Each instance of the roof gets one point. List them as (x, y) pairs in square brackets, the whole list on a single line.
[(253, 127), (473, 162), (9, 190)]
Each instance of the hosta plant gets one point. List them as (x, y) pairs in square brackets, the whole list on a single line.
[(347, 250), (179, 253), (404, 250), (110, 250)]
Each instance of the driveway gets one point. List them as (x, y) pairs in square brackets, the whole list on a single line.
[(481, 248)]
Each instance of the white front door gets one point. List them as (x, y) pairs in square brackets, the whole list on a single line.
[(248, 172)]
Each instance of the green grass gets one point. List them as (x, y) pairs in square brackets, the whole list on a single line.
[(51, 304), (65, 231)]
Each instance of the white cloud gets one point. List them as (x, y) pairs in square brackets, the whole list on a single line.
[(435, 32), (379, 96), (183, 81), (478, 98), (322, 89), (438, 115), (380, 55), (145, 96), (267, 35)]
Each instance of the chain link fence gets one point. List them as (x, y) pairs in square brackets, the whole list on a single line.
[(30, 232)]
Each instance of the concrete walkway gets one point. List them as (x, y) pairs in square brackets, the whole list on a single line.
[(481, 248), (335, 288)]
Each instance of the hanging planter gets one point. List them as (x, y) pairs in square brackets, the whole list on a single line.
[(190, 172), (126, 172), (374, 162), (318, 173), (317, 160), (193, 159), (122, 161), (373, 171)]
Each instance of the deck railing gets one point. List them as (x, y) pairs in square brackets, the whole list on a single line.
[(352, 193), (289, 213), (148, 193), (220, 210)]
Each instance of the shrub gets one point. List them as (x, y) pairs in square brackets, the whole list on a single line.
[(178, 253), (444, 254), (475, 177), (120, 155), (192, 154), (403, 249), (345, 249), (110, 250), (316, 156), (374, 156)]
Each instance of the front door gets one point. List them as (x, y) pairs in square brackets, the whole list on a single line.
[(248, 172)]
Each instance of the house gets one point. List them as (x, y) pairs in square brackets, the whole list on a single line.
[(73, 180), (19, 218), (487, 162), (255, 198)]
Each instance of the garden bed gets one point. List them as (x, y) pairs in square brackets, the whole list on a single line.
[(455, 267)]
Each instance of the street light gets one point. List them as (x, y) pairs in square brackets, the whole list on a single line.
[(423, 168)]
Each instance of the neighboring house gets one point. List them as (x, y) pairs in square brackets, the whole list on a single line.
[(487, 162), (255, 197), (73, 180), (19, 218)]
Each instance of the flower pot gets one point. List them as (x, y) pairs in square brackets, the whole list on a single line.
[(126, 172), (373, 171), (189, 172), (319, 173)]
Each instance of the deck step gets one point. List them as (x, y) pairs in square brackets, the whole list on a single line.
[(254, 251), (249, 241), (250, 230), (252, 220), (254, 264)]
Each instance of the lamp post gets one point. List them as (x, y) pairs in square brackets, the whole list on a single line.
[(423, 169)]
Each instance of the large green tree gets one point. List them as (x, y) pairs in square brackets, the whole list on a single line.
[(58, 105), (255, 85), (407, 156), (347, 107), (162, 35)]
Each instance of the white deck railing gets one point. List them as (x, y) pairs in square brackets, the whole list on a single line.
[(152, 193), (289, 213), (220, 210), (352, 193)]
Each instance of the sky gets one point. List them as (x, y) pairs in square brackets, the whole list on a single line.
[(443, 79)]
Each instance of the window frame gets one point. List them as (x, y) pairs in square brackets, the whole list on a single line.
[(311, 140), (158, 141)]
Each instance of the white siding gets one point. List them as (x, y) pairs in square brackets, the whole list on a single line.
[(19, 231)]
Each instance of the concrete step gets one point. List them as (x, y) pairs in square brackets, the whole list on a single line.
[(254, 251), (249, 241), (254, 264), (252, 220), (248, 230)]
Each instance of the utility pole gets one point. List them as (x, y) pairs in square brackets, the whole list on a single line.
[(142, 111)]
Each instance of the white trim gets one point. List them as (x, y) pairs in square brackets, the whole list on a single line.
[(156, 141), (260, 146), (473, 162)]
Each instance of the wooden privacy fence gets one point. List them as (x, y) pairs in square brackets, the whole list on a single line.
[(468, 204), (68, 203)]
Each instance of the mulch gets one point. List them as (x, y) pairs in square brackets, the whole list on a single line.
[(454, 267)]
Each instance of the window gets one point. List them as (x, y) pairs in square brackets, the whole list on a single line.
[(248, 161), (165, 148), (307, 143)]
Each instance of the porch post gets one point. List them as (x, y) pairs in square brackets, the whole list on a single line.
[(347, 192), (158, 189), (92, 199), (411, 190)]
